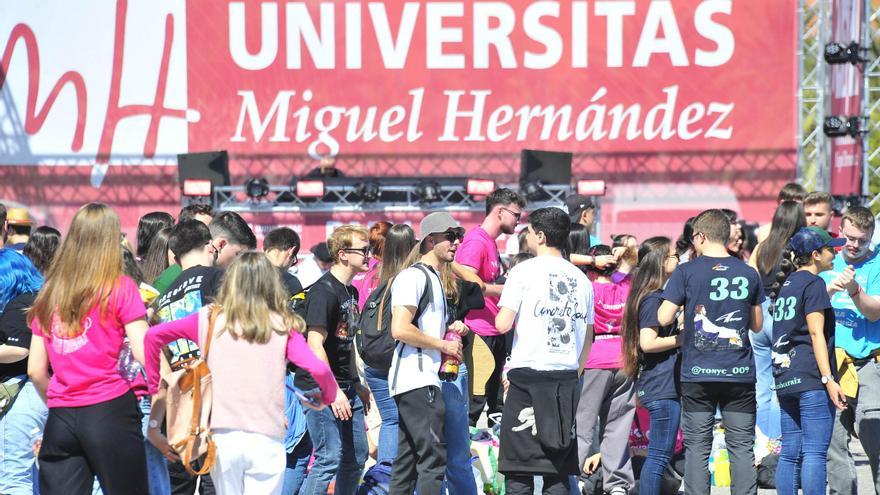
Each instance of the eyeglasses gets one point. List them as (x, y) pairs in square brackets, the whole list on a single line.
[(451, 235), (364, 251), (696, 234), (516, 214), (674, 255)]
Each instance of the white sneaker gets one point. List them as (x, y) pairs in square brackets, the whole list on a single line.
[(617, 490)]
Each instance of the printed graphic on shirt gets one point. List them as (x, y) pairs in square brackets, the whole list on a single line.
[(526, 420), (561, 309), (183, 307), (781, 354), (64, 344), (712, 335), (347, 326)]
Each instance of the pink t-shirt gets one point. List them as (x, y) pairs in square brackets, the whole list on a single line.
[(366, 282), (608, 301), (479, 251), (85, 367)]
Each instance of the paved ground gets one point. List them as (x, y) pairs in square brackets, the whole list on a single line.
[(866, 485)]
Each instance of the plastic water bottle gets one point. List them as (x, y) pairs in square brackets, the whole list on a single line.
[(449, 364)]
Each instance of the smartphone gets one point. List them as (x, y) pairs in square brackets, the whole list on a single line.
[(302, 395)]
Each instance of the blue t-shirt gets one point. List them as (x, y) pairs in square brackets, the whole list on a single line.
[(658, 372), (718, 295), (853, 332), (794, 362)]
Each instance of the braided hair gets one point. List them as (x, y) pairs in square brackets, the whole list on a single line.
[(789, 263)]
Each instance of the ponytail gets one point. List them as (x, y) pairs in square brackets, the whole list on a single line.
[(789, 263)]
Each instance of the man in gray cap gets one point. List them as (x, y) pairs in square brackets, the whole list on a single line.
[(413, 380)]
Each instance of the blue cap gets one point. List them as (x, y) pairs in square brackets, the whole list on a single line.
[(809, 239)]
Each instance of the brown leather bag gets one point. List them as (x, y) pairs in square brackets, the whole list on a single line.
[(188, 415)]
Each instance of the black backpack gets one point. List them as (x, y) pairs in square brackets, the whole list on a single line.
[(373, 338), (298, 303)]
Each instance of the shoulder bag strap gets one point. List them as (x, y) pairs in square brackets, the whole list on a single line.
[(382, 304), (212, 318)]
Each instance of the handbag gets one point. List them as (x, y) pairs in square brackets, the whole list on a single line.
[(8, 393), (189, 396)]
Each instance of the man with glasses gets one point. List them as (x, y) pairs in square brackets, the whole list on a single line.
[(231, 235), (479, 253), (854, 285), (281, 246), (414, 383), (331, 313)]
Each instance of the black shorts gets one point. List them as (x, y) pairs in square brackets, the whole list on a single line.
[(708, 396)]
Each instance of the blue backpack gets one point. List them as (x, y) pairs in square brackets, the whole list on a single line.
[(377, 480)]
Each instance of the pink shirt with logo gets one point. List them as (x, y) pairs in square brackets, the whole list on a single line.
[(366, 282), (85, 367), (608, 301), (479, 251)]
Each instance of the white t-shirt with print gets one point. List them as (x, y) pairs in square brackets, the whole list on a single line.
[(553, 301), (407, 371)]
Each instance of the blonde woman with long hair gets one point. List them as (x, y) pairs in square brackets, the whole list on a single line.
[(84, 311), (254, 336)]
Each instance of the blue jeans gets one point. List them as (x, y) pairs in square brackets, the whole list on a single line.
[(19, 428), (297, 463), (807, 421), (377, 380), (459, 474), (340, 448), (767, 418), (665, 418)]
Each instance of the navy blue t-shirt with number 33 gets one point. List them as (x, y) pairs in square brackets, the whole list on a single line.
[(794, 362), (718, 295)]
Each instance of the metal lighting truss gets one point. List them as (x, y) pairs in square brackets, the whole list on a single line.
[(871, 107), (812, 155), (337, 198)]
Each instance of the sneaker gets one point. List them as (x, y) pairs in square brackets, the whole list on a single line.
[(617, 490)]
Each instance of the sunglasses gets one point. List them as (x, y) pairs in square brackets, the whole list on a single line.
[(364, 251), (516, 214), (450, 235)]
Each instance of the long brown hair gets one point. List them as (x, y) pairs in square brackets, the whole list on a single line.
[(84, 272), (648, 277), (253, 300), (399, 242)]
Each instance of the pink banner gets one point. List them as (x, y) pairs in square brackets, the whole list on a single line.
[(846, 92)]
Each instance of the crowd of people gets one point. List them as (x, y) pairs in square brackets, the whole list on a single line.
[(603, 367)]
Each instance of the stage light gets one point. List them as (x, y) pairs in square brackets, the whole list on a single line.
[(256, 188), (428, 192), (310, 189), (533, 190), (196, 187), (480, 187), (841, 126), (591, 187), (838, 54), (368, 191)]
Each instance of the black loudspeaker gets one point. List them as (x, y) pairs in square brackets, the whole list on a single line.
[(211, 165), (548, 167)]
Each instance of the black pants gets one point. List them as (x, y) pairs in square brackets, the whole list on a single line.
[(493, 397), (421, 442), (183, 483), (525, 485), (102, 440)]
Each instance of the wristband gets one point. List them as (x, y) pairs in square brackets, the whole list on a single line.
[(854, 294)]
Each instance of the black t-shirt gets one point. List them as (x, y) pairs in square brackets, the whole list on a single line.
[(333, 306), (658, 373), (14, 331), (794, 362), (194, 288), (291, 283), (718, 295)]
